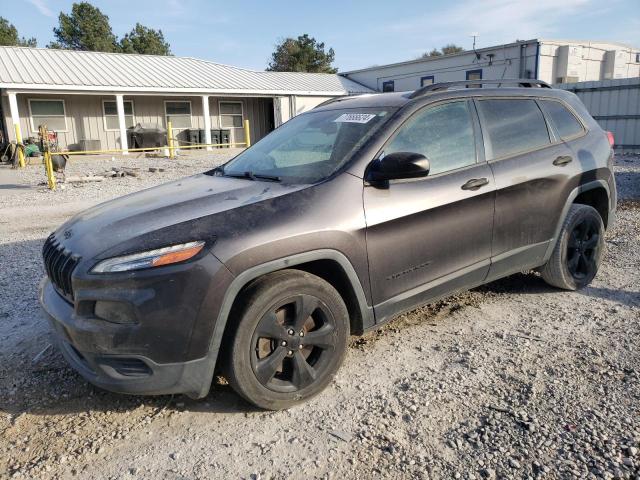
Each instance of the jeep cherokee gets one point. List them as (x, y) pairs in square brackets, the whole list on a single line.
[(337, 221)]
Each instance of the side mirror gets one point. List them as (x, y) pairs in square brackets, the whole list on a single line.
[(398, 165)]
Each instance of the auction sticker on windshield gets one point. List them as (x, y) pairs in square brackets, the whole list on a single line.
[(354, 118)]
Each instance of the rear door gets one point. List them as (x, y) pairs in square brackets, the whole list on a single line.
[(533, 169), (432, 235)]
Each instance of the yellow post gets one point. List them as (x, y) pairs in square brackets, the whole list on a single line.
[(20, 151), (172, 154), (247, 134), (48, 164)]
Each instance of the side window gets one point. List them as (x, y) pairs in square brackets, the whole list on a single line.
[(428, 80), (388, 86), (566, 124), (512, 126), (443, 134), (48, 112), (474, 75)]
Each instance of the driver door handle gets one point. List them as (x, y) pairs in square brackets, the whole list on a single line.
[(475, 184), (562, 160)]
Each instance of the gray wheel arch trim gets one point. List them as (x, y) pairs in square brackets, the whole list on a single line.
[(252, 273), (572, 196)]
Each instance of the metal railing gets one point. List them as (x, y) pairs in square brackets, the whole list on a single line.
[(171, 148)]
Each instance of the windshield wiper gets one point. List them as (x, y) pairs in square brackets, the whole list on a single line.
[(252, 176)]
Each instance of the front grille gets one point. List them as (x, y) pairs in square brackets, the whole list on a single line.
[(59, 264)]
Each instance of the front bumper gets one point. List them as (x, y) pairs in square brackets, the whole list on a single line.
[(163, 352), (124, 373)]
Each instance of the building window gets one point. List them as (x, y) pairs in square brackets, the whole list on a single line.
[(231, 114), (474, 75), (388, 86), (110, 110), (428, 80), (178, 113), (637, 57), (48, 112)]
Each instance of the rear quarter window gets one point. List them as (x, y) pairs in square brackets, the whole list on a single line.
[(512, 126), (566, 124)]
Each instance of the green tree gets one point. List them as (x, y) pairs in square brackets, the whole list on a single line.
[(85, 28), (446, 50), (451, 48), (303, 54), (145, 40), (433, 53), (9, 36)]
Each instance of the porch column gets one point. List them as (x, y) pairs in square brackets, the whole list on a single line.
[(13, 111), (15, 123), (207, 120), (122, 124)]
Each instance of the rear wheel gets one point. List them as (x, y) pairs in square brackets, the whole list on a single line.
[(290, 339), (576, 256)]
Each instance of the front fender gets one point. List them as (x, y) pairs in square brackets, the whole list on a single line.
[(243, 279)]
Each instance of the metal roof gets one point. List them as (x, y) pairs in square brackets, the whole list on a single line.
[(49, 69)]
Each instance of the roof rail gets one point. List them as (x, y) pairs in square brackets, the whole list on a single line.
[(332, 100), (436, 87), (342, 98)]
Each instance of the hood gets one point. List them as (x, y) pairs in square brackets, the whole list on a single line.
[(168, 214)]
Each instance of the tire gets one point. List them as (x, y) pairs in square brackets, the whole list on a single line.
[(288, 339), (578, 251)]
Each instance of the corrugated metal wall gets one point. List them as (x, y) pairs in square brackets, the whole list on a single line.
[(615, 104)]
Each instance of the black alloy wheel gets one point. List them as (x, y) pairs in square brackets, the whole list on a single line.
[(286, 340), (293, 343), (577, 252), (582, 249)]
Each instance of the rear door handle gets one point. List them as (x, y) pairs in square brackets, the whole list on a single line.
[(562, 160), (475, 184)]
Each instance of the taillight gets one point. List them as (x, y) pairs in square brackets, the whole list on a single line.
[(612, 140)]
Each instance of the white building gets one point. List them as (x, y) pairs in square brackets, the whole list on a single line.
[(554, 61), (91, 98)]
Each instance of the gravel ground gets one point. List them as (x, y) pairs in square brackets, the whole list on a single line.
[(510, 380)]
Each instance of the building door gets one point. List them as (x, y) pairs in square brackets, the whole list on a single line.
[(270, 113)]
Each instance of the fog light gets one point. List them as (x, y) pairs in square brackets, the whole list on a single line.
[(115, 312)]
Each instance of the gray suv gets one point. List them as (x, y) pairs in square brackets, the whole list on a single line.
[(336, 222)]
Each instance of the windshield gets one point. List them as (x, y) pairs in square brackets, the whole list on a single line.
[(309, 147)]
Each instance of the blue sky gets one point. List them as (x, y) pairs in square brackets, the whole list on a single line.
[(363, 33)]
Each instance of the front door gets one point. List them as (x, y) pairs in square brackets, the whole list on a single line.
[(427, 237)]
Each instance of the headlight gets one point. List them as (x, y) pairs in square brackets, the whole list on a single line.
[(151, 258)]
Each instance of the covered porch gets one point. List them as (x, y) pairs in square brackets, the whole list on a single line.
[(98, 121)]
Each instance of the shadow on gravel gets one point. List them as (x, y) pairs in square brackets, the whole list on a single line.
[(532, 283), (15, 187), (517, 283), (56, 389)]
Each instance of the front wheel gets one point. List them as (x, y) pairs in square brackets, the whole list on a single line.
[(576, 257), (289, 340)]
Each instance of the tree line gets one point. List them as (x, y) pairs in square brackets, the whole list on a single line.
[(87, 28)]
